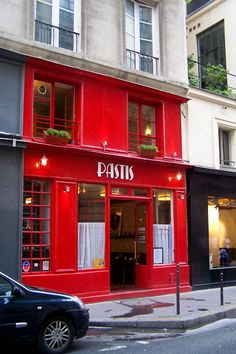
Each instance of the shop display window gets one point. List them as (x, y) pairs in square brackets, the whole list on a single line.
[(163, 235), (91, 226), (221, 228), (53, 107), (36, 226)]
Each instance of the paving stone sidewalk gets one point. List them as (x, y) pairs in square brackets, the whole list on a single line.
[(196, 308)]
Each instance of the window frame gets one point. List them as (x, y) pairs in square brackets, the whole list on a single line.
[(225, 137), (29, 225), (203, 58), (73, 129), (134, 55), (54, 27), (140, 136), (168, 228)]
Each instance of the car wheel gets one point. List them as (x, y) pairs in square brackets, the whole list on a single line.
[(56, 335)]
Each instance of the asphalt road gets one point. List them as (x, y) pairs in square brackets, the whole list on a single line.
[(215, 338)]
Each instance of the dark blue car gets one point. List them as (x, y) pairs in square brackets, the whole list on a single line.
[(49, 320)]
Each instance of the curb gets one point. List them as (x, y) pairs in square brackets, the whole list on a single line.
[(170, 322)]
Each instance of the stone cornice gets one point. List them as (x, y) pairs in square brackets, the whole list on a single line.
[(80, 61)]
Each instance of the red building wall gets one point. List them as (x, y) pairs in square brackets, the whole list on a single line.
[(101, 106)]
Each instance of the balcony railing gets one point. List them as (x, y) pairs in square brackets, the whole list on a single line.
[(213, 78), (143, 62), (56, 36), (42, 123), (228, 163)]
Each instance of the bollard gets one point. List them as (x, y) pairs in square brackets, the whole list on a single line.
[(177, 290), (221, 289)]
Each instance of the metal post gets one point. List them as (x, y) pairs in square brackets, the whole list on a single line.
[(221, 288), (177, 290)]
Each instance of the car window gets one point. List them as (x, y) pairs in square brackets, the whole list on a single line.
[(5, 287)]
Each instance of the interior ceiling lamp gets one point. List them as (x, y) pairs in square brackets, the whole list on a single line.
[(42, 162), (148, 130), (102, 193)]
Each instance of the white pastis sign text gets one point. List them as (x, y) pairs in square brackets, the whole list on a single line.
[(115, 171)]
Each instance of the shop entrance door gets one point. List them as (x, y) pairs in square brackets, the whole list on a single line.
[(141, 237), (128, 244)]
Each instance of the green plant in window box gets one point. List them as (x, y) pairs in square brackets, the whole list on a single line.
[(148, 150), (57, 136)]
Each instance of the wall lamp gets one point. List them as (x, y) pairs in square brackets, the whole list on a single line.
[(42, 162), (104, 144), (178, 176)]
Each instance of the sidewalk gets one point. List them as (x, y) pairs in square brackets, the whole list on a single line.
[(196, 308)]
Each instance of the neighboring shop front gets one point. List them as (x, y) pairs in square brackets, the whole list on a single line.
[(212, 225)]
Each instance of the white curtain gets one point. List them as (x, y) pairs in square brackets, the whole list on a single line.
[(163, 237), (91, 243)]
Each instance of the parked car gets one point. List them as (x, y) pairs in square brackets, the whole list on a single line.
[(49, 320)]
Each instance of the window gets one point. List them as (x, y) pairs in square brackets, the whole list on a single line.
[(140, 44), (91, 226), (5, 287), (55, 23), (224, 147), (53, 107), (36, 226), (211, 49), (142, 125), (221, 228), (163, 235)]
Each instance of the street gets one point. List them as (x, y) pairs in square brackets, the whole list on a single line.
[(214, 338)]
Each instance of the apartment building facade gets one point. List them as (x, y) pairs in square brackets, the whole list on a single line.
[(210, 142), (99, 217)]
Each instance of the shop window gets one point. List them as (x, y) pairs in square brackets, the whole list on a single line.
[(56, 22), (53, 107), (36, 226), (142, 125), (140, 192), (221, 228), (140, 37), (119, 191), (91, 226), (163, 235)]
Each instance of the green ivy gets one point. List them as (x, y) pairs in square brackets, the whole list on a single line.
[(216, 80), (192, 78)]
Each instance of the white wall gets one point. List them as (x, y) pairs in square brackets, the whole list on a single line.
[(205, 113), (215, 12), (102, 36)]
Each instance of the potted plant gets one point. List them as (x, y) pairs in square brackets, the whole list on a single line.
[(56, 136), (147, 150)]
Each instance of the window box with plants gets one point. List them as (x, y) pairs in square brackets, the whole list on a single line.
[(148, 150), (55, 136)]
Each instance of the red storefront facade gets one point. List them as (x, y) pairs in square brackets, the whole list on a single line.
[(99, 220)]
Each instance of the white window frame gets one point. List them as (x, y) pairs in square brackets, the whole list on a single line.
[(55, 5), (225, 161), (155, 33)]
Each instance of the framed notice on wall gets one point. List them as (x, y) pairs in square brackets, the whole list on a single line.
[(158, 255)]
